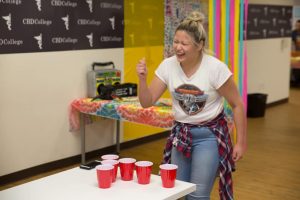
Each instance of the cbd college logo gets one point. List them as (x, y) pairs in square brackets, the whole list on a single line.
[(90, 38), (112, 21), (39, 4), (66, 20), (8, 21), (90, 3), (39, 40)]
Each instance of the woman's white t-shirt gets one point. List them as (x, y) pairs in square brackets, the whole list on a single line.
[(195, 99)]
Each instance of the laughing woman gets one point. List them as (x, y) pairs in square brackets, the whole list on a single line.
[(199, 142)]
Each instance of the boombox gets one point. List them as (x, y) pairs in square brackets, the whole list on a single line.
[(106, 83), (110, 92)]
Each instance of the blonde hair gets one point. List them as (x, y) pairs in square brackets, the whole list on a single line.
[(193, 25)]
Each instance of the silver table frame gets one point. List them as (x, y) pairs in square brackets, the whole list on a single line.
[(82, 134)]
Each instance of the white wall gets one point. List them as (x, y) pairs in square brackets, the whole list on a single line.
[(269, 67), (35, 92), (274, 2), (269, 62)]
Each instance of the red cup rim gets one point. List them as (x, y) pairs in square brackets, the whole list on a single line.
[(109, 162), (144, 163), (127, 160), (104, 167), (109, 157), (168, 166)]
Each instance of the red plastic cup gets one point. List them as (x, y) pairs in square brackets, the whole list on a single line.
[(114, 163), (168, 175), (127, 168), (104, 175), (143, 171), (110, 157)]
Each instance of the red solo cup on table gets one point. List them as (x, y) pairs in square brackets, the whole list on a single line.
[(168, 175), (143, 171), (115, 164), (110, 157), (104, 175), (127, 168)]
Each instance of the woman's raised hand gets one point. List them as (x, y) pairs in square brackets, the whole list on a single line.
[(141, 69)]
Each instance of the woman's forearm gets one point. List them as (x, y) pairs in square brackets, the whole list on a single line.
[(240, 124), (144, 94)]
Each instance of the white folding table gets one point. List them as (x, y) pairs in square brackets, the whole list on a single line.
[(80, 184)]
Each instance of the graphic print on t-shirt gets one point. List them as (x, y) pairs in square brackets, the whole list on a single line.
[(191, 99)]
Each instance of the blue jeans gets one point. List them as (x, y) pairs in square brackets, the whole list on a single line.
[(202, 167)]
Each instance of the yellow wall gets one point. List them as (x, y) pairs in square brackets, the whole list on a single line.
[(143, 37)]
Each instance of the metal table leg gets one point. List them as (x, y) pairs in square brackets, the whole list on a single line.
[(82, 133), (118, 136)]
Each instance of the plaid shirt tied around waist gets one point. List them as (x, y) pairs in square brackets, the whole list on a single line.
[(181, 138)]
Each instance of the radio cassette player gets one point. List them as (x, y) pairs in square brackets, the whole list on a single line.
[(106, 83)]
